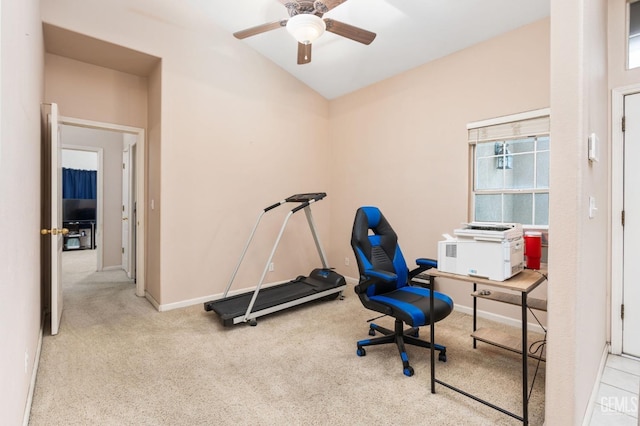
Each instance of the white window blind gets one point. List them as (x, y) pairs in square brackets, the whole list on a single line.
[(532, 123)]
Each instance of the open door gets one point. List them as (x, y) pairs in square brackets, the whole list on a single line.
[(52, 204)]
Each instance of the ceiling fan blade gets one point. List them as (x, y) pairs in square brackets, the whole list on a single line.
[(304, 53), (323, 6), (349, 31), (260, 29)]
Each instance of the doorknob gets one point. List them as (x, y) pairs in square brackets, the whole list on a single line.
[(54, 231)]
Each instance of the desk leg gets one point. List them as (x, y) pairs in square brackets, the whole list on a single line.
[(432, 325), (525, 355), (475, 307)]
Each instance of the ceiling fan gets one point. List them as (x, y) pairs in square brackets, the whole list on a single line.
[(306, 24)]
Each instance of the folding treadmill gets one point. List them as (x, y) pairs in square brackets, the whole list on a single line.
[(322, 283)]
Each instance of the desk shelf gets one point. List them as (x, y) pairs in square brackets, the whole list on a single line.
[(512, 299), (505, 341), (522, 284)]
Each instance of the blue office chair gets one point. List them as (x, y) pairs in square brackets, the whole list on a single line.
[(385, 286)]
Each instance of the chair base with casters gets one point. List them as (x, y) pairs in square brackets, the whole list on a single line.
[(400, 337), (386, 286)]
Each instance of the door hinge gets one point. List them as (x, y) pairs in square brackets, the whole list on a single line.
[(122, 250), (622, 311), (624, 123), (622, 217), (123, 165)]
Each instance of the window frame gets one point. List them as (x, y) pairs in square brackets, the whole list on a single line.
[(530, 124), (628, 36)]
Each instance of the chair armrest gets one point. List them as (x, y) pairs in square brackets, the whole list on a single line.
[(373, 276), (423, 265)]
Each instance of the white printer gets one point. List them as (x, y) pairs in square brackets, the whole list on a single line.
[(483, 249)]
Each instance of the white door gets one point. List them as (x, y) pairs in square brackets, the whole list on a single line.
[(54, 230), (631, 244)]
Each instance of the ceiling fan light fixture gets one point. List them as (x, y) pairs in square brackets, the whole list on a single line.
[(306, 28)]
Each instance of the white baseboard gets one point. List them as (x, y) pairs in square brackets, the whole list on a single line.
[(535, 327), (501, 319), (201, 300), (34, 375), (586, 420)]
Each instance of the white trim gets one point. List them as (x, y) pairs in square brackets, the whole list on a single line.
[(98, 230), (203, 299), (500, 319), (34, 374), (617, 205), (586, 420), (527, 115), (141, 155)]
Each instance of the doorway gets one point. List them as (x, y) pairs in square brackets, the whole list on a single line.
[(109, 210), (82, 168), (625, 295)]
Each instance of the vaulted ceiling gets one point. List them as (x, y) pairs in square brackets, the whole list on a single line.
[(409, 33)]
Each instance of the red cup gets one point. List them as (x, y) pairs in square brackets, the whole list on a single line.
[(533, 248)]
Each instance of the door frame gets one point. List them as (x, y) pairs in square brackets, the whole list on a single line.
[(617, 205), (99, 195), (140, 182)]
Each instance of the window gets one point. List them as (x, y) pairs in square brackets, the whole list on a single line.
[(511, 169), (634, 35)]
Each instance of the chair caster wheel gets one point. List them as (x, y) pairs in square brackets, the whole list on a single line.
[(408, 371), (442, 357), (253, 322), (372, 332), (361, 352)]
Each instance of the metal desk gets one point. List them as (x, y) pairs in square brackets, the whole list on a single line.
[(524, 282)]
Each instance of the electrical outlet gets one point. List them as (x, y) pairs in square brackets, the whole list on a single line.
[(346, 261), (272, 267)]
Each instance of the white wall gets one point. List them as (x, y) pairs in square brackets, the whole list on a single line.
[(20, 306), (79, 160)]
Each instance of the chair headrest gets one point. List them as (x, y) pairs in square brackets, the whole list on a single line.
[(369, 217), (373, 216)]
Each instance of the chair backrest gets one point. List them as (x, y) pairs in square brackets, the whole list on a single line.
[(377, 249)]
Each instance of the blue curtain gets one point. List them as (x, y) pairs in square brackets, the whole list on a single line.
[(79, 183)]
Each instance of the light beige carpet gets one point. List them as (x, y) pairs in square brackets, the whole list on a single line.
[(117, 361)]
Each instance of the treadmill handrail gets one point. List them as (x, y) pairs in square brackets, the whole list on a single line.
[(244, 252), (306, 200), (301, 206), (266, 267)]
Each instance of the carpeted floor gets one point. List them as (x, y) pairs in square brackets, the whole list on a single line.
[(117, 361)]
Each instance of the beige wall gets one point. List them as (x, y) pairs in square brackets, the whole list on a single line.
[(95, 93), (229, 142), (20, 215), (402, 144), (152, 219), (578, 252)]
